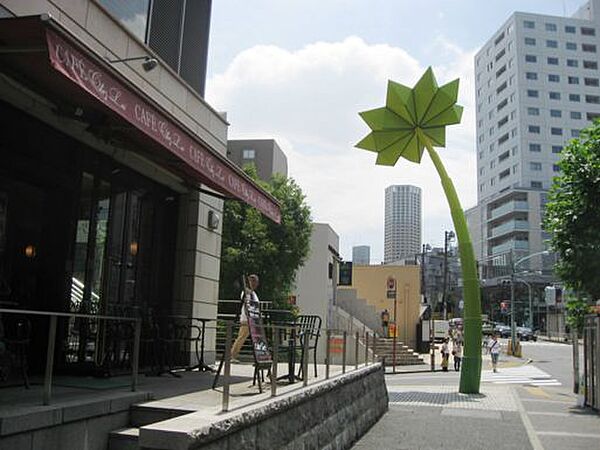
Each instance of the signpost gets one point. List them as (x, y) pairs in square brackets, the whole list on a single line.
[(391, 294)]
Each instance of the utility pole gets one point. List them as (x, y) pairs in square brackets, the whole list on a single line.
[(448, 235)]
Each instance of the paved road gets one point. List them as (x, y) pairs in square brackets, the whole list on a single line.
[(554, 358), (523, 406)]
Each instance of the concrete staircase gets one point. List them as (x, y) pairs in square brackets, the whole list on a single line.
[(405, 356), (140, 415)]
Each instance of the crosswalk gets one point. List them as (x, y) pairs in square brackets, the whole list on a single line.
[(527, 374)]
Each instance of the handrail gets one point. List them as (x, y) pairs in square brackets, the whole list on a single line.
[(53, 318), (62, 314)]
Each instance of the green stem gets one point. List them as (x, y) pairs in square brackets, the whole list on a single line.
[(470, 374)]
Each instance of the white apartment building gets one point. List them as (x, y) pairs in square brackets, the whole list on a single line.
[(402, 222), (537, 85), (361, 255)]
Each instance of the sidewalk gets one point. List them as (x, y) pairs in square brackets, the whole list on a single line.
[(427, 412)]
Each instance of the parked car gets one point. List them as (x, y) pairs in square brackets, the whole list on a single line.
[(487, 328), (502, 331), (526, 334)]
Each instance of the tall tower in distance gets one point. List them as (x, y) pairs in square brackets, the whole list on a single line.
[(402, 223), (361, 255), (537, 85)]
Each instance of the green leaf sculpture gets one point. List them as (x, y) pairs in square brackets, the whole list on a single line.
[(412, 121)]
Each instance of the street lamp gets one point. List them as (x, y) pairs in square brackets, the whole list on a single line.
[(426, 248), (448, 236), (513, 270)]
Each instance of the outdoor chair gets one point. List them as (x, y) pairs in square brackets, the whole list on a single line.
[(308, 327)]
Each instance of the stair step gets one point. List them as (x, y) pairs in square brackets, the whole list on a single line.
[(145, 415), (124, 439)]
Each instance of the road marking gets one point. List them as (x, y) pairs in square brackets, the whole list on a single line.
[(528, 375), (546, 401), (567, 434), (533, 437), (537, 391), (546, 413)]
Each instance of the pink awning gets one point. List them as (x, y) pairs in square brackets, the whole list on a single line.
[(93, 77)]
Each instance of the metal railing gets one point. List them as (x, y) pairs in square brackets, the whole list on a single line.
[(51, 345), (338, 342)]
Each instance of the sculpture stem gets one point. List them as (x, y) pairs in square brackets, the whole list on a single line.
[(470, 375)]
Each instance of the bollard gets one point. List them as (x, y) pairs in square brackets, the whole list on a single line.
[(345, 336), (328, 354), (356, 337), (227, 367), (275, 361)]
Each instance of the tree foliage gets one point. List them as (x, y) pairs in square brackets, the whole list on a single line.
[(254, 244), (573, 213)]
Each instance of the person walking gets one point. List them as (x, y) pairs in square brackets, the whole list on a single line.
[(385, 322), (457, 353), (445, 355), (244, 332), (494, 349)]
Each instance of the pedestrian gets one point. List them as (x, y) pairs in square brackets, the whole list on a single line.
[(445, 355), (495, 347), (248, 294), (457, 353), (385, 322), (486, 344)]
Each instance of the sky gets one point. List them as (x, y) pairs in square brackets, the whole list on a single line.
[(300, 71)]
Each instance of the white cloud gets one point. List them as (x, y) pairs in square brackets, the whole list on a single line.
[(308, 101)]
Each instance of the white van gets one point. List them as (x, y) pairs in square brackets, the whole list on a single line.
[(441, 330)]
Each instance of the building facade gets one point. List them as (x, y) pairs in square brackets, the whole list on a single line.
[(112, 174), (361, 255), (402, 223), (316, 280), (537, 85), (265, 154), (371, 285)]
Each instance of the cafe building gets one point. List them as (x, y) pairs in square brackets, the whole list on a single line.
[(113, 170)]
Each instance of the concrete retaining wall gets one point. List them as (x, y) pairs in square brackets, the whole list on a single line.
[(331, 414)]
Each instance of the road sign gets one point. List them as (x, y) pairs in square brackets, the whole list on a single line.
[(391, 294), (391, 284)]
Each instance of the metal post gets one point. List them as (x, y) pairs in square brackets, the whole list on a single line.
[(530, 307), (356, 337), (345, 336), (305, 359), (575, 340), (395, 330), (513, 327), (445, 279), (50, 360), (366, 348), (275, 361), (328, 354), (136, 354), (374, 347), (432, 343), (227, 367)]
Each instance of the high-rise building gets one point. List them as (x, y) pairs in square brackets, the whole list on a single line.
[(361, 255), (402, 223), (265, 154), (537, 85)]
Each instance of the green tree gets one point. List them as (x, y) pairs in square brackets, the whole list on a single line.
[(254, 244), (573, 214)]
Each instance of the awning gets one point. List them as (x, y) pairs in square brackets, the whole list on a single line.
[(45, 57)]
